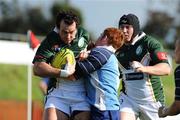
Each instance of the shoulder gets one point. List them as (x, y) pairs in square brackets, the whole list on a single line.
[(100, 50), (81, 32), (51, 38), (101, 53), (151, 40), (152, 44), (98, 56), (52, 34)]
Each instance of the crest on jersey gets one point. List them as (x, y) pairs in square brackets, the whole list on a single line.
[(81, 42), (139, 50)]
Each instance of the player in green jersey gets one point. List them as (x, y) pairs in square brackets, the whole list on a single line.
[(65, 99), (142, 61)]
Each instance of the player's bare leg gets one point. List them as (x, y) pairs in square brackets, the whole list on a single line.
[(81, 115), (127, 116), (54, 114)]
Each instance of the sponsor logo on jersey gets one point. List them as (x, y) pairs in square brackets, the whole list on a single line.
[(134, 76), (139, 50), (81, 42), (162, 55)]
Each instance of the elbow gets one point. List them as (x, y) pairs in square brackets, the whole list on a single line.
[(36, 73), (168, 71), (37, 70)]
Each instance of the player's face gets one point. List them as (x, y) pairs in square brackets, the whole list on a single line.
[(128, 32), (67, 32), (177, 52)]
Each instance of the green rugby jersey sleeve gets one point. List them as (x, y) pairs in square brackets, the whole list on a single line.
[(157, 52), (83, 33), (45, 51)]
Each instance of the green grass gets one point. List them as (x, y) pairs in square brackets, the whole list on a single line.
[(13, 84), (169, 86)]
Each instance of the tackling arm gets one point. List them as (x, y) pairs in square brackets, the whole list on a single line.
[(96, 59)]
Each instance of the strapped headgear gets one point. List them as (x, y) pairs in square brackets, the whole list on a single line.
[(131, 19)]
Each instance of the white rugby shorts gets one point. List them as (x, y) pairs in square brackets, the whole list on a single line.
[(68, 102), (142, 111)]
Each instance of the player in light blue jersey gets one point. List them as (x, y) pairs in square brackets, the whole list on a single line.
[(102, 75)]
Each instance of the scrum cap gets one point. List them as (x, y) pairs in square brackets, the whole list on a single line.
[(130, 19)]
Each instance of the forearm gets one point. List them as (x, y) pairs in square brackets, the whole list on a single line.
[(174, 109), (159, 69), (42, 69)]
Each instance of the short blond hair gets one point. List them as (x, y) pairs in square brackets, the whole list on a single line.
[(115, 36)]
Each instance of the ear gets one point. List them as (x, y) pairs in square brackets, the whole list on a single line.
[(104, 40), (104, 37)]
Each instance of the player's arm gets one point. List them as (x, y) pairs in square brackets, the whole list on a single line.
[(157, 69), (43, 69), (94, 61), (174, 109), (159, 60)]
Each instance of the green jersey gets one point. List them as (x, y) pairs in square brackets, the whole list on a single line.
[(50, 46), (52, 42), (142, 87)]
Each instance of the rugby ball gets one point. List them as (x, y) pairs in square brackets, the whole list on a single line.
[(60, 58)]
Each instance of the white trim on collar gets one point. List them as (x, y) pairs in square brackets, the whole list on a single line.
[(56, 30), (138, 38)]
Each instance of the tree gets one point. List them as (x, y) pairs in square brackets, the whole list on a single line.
[(158, 24), (37, 22), (15, 21), (65, 6)]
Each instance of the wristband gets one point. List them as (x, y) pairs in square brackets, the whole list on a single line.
[(136, 65), (64, 73)]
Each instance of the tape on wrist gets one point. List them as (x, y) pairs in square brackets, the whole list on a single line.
[(64, 73)]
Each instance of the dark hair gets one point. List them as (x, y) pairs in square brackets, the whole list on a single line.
[(68, 16), (130, 19), (115, 36)]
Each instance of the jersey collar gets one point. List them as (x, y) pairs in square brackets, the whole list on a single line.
[(138, 37), (110, 48)]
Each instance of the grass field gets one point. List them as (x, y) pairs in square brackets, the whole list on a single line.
[(13, 84)]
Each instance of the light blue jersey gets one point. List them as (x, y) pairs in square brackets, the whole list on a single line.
[(101, 70)]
